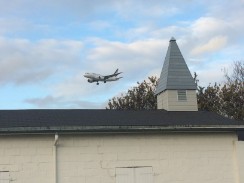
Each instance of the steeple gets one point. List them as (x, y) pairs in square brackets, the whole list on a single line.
[(176, 78), (175, 73)]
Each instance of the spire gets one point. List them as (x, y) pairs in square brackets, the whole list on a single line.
[(175, 74), (172, 39)]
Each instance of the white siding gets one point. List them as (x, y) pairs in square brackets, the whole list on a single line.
[(168, 100), (181, 95)]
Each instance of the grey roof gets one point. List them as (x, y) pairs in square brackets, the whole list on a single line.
[(80, 120), (175, 73)]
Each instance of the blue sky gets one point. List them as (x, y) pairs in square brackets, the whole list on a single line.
[(47, 46)]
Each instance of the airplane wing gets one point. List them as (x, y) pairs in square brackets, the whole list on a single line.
[(116, 73)]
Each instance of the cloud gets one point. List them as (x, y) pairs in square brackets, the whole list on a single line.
[(50, 102), (10, 25), (137, 9), (83, 10), (212, 45), (59, 66), (45, 101), (126, 56), (104, 58), (107, 56), (207, 26), (53, 43), (24, 62), (213, 72), (73, 86)]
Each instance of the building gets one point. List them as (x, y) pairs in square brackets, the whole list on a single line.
[(173, 144)]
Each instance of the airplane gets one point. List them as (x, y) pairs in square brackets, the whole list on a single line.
[(93, 77)]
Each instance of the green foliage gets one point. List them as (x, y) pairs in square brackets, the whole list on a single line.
[(139, 97), (208, 99), (232, 100)]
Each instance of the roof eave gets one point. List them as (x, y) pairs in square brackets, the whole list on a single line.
[(119, 129)]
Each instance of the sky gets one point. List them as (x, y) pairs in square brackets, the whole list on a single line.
[(47, 46)]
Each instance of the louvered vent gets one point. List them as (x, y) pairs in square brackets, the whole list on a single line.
[(182, 95)]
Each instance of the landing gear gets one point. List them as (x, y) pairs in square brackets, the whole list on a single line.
[(104, 81), (97, 83)]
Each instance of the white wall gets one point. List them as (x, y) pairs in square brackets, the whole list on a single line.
[(174, 157), (27, 158), (168, 100), (240, 159)]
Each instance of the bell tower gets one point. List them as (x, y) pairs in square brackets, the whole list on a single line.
[(176, 90)]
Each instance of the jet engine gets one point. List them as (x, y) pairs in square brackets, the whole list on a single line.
[(90, 80)]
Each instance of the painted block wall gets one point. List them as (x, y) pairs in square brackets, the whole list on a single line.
[(27, 158), (240, 159), (174, 157)]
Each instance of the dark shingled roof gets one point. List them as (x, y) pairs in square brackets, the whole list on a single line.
[(175, 74), (61, 119)]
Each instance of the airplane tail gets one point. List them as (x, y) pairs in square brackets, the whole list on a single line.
[(116, 71)]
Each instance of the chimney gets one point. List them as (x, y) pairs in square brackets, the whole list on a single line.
[(176, 90)]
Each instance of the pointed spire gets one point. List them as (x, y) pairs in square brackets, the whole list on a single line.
[(175, 74), (172, 39)]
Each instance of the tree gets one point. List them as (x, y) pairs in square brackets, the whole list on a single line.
[(208, 99), (237, 73), (226, 99), (232, 100), (232, 93), (140, 97)]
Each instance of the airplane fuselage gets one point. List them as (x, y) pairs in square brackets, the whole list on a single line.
[(93, 77)]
